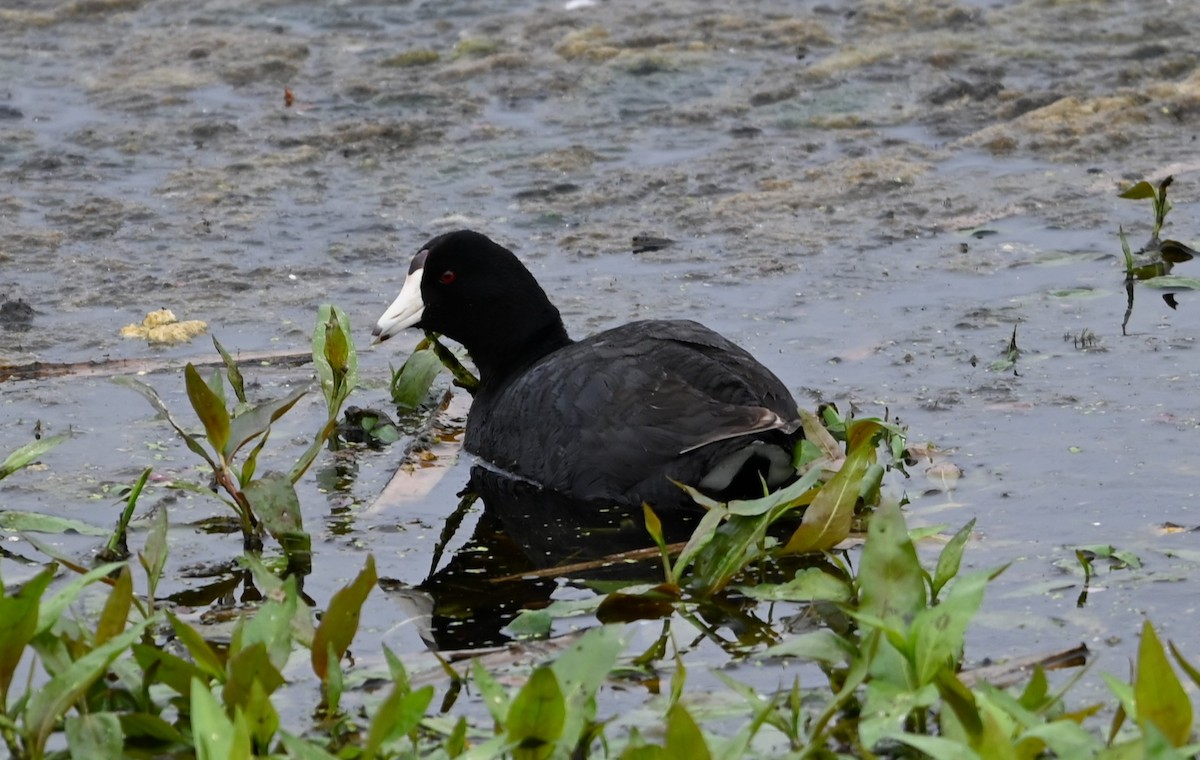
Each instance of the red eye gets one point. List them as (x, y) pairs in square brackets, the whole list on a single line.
[(447, 277)]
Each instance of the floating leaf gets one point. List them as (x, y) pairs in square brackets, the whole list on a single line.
[(34, 522), (821, 645), (811, 584), (626, 608), (1172, 282)]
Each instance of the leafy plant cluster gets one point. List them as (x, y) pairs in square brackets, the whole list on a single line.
[(1152, 264), (135, 679)]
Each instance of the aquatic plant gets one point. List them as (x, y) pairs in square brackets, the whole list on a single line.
[(131, 678), (267, 502), (1152, 263)]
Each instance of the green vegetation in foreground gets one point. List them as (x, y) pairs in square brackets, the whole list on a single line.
[(106, 686)]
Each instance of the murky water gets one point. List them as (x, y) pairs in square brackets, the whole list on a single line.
[(868, 196)]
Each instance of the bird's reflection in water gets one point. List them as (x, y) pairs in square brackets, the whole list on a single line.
[(522, 529)]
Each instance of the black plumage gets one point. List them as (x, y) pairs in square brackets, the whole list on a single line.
[(612, 418)]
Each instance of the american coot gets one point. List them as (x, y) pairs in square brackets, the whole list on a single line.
[(613, 418)]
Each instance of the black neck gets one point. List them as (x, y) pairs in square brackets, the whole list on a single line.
[(498, 361)]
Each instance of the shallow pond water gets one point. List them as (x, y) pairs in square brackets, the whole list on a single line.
[(868, 196)]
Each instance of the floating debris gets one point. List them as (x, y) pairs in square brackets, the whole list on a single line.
[(162, 327)]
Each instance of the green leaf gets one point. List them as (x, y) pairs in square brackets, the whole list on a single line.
[(52, 608), (1034, 696), (700, 538), (53, 698), (271, 626), (150, 727), (262, 719), (156, 401), (334, 681), (729, 550), (536, 716), (273, 500), (937, 632), (951, 558), (209, 407), (231, 371), (1139, 191), (1172, 282), (399, 714), (581, 670), (202, 654), (780, 500), (116, 607), (303, 749), (1161, 699), (154, 557), (827, 520), (962, 702), (334, 356), (462, 376), (1188, 668), (530, 624), (821, 645), (251, 665), (495, 698), (340, 621), (29, 453), (95, 736), (213, 734), (18, 623), (936, 747), (254, 422), (410, 386), (684, 739), (891, 582), (217, 386), (811, 584), (34, 522), (167, 669)]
